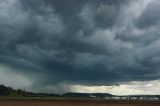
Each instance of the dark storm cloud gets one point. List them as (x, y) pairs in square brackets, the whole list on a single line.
[(80, 41), (150, 15)]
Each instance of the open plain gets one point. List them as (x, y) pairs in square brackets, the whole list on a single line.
[(74, 102)]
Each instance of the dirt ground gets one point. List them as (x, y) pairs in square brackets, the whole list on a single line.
[(69, 102)]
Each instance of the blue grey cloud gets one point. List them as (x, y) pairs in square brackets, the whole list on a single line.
[(82, 42)]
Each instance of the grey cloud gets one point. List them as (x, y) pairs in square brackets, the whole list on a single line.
[(106, 15), (150, 16), (77, 42)]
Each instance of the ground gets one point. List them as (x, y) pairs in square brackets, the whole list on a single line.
[(73, 102)]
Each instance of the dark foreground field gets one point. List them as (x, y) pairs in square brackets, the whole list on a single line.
[(74, 102)]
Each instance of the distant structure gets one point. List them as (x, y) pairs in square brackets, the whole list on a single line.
[(143, 97)]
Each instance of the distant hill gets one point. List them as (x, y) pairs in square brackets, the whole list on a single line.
[(86, 95), (10, 92)]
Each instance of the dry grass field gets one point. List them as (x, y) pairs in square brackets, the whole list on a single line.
[(74, 102)]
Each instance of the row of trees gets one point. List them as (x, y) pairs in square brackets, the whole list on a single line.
[(8, 91)]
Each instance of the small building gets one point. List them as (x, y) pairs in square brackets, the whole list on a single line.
[(134, 98), (116, 98), (92, 96), (153, 98), (108, 98)]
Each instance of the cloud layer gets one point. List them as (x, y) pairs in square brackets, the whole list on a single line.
[(86, 42)]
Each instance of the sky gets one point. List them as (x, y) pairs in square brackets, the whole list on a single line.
[(58, 46)]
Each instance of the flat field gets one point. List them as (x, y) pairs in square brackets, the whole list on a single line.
[(74, 102)]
